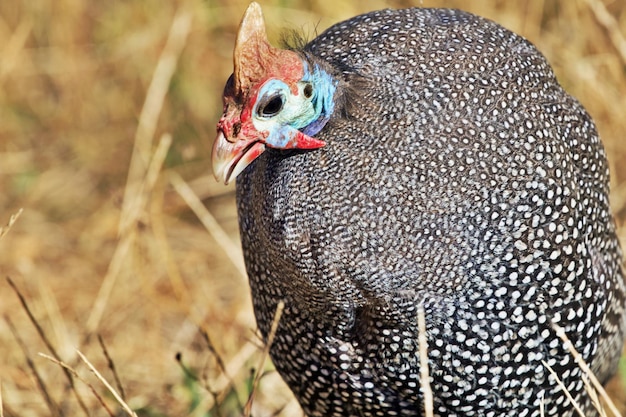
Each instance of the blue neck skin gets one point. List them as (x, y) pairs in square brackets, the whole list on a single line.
[(323, 91)]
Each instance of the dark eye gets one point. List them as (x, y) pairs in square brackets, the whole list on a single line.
[(308, 91), (272, 106)]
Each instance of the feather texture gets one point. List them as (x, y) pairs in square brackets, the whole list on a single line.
[(458, 175)]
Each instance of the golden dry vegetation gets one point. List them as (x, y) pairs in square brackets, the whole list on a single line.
[(107, 114)]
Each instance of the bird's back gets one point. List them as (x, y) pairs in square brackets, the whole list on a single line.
[(459, 176)]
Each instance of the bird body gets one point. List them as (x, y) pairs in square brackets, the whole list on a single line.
[(421, 158)]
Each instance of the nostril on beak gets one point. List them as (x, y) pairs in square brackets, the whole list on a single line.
[(229, 129)]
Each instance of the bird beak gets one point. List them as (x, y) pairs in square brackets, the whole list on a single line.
[(230, 158)]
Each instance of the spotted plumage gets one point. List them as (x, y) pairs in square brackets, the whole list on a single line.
[(452, 172)]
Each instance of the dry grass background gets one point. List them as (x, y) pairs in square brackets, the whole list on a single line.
[(110, 247)]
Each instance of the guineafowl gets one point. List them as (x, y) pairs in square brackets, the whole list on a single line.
[(421, 160)]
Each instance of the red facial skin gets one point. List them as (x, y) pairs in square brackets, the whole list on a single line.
[(238, 142)]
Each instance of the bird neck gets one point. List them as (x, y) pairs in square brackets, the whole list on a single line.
[(324, 87)]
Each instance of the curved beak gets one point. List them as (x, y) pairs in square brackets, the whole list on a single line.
[(230, 158)]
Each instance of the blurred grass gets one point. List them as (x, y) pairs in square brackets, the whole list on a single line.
[(73, 81)]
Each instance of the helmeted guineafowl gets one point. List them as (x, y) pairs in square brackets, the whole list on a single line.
[(421, 157)]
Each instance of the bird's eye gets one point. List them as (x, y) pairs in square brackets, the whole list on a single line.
[(272, 106), (308, 91)]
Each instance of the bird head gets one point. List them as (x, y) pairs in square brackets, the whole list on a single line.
[(275, 98)]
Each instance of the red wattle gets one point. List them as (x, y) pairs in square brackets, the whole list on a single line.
[(302, 141)]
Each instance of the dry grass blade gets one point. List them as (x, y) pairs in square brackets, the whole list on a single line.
[(564, 388), (46, 341), (220, 362), (111, 365), (423, 355), (585, 368), (593, 394), (4, 230), (151, 110), (247, 411), (220, 384), (1, 401), (115, 266), (107, 385), (213, 227), (73, 371), (56, 325), (603, 16), (157, 161), (166, 256), (50, 403), (132, 212)]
